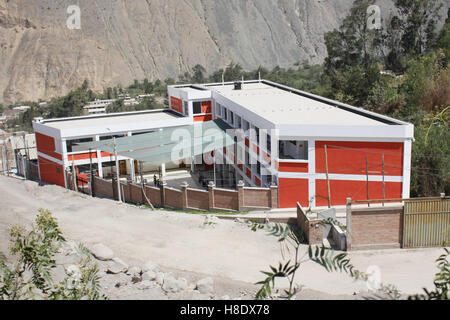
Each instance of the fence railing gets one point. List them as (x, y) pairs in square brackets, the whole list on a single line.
[(185, 197)]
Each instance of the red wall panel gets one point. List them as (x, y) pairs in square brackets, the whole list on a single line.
[(46, 145), (349, 157), (340, 190), (206, 107), (293, 167), (203, 118), (292, 191), (82, 156), (176, 104), (51, 172)]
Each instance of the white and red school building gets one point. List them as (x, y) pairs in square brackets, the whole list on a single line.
[(284, 134)]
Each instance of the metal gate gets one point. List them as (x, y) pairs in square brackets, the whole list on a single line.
[(426, 223)]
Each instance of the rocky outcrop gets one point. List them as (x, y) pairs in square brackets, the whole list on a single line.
[(123, 40)]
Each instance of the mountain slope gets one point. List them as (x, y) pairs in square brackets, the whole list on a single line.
[(123, 40)]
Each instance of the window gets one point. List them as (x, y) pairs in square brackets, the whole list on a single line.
[(258, 168), (218, 110), (232, 118), (269, 180), (246, 125), (247, 158), (269, 143), (186, 108), (72, 144), (110, 137), (292, 149), (257, 134), (138, 133), (197, 107), (238, 122)]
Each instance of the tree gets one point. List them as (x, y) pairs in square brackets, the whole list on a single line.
[(353, 52), (233, 72), (30, 275), (354, 43), (412, 32), (198, 74)]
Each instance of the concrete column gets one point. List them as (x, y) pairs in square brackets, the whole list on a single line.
[(162, 190), (349, 224), (274, 196), (211, 186), (184, 187), (163, 170), (240, 188), (132, 169)]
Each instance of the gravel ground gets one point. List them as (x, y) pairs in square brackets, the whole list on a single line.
[(184, 246)]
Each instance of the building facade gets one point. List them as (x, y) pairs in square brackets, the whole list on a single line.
[(57, 140), (296, 140), (316, 150)]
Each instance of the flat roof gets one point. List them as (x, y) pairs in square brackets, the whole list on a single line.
[(111, 119), (285, 107)]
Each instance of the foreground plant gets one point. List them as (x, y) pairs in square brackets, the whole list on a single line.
[(29, 276), (332, 262), (289, 241)]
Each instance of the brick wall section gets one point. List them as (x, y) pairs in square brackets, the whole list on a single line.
[(225, 199), (173, 198), (103, 188), (376, 227), (312, 228), (125, 192), (197, 199), (257, 198), (136, 194), (153, 194), (214, 198)]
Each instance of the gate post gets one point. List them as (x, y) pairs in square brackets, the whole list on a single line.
[(211, 186), (348, 217), (240, 188), (162, 190), (184, 202)]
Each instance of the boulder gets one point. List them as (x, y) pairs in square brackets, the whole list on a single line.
[(134, 271), (205, 286), (116, 266), (149, 275), (160, 278), (143, 285), (172, 285), (102, 252)]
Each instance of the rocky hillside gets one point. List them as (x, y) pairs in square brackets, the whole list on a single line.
[(122, 40)]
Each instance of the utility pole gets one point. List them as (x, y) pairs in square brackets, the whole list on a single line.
[(6, 153), (3, 160), (117, 171), (328, 179), (214, 159), (91, 180), (384, 185), (74, 176), (25, 164), (367, 178)]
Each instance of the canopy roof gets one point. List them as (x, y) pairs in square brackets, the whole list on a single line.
[(169, 144)]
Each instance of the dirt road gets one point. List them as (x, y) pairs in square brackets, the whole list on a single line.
[(225, 249)]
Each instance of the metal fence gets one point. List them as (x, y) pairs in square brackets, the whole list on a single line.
[(426, 223)]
